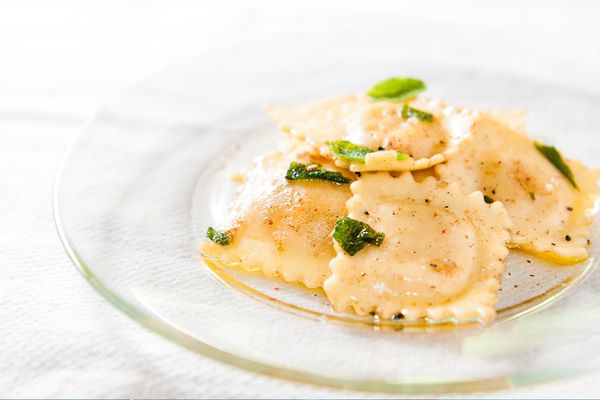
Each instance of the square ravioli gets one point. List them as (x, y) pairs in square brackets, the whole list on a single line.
[(441, 259), (550, 214), (395, 136), (282, 226)]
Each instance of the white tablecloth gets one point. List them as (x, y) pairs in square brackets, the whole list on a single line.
[(60, 61)]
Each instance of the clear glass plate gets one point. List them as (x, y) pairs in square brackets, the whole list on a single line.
[(146, 177)]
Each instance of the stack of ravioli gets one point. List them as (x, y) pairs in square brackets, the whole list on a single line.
[(403, 207)]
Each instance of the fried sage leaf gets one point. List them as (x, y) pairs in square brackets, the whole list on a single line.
[(396, 89), (556, 159), (353, 235), (409, 112), (402, 156), (222, 238), (312, 172), (348, 150)]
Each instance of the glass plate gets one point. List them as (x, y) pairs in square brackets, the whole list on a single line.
[(145, 178)]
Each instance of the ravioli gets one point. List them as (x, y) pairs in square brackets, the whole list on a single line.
[(441, 259), (403, 207), (380, 126), (550, 217), (282, 227)]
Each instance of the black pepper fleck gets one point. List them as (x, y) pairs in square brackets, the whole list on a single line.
[(569, 208), (398, 316), (380, 148), (357, 174), (529, 261), (568, 238), (366, 212)]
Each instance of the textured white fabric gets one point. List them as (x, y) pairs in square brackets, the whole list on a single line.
[(59, 61)]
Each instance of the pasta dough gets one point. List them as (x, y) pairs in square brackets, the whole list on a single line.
[(550, 217), (441, 259), (438, 196), (380, 126), (282, 227)]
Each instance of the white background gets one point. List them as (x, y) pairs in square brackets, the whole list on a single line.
[(59, 62)]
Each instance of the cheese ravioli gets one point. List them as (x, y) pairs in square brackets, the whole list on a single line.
[(398, 141), (550, 216), (283, 227), (441, 258)]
